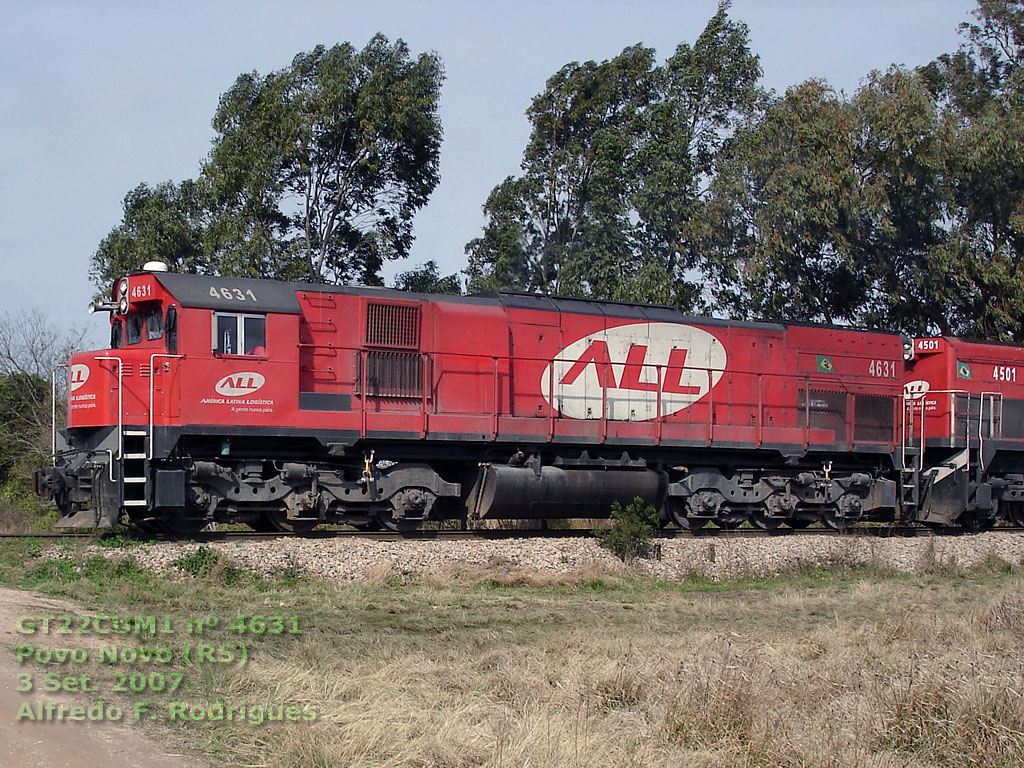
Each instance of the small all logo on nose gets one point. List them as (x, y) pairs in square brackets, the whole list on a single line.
[(241, 383)]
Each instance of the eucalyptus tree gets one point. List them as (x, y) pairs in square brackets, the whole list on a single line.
[(315, 173), (618, 161), (900, 207), (325, 163)]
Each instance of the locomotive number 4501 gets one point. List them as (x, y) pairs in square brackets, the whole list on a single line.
[(1004, 373)]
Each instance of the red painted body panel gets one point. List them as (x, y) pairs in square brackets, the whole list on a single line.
[(490, 370)]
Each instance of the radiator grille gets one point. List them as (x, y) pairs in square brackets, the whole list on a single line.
[(393, 325)]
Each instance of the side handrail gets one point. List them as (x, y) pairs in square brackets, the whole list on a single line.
[(120, 402), (152, 393), (991, 424), (909, 407), (53, 411), (657, 377)]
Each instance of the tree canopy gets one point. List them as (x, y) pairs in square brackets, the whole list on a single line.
[(901, 206), (614, 171), (315, 174), (679, 182), (427, 278)]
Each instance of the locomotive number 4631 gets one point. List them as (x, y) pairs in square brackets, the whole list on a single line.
[(883, 369), (232, 294)]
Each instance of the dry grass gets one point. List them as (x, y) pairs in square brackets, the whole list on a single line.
[(870, 674), (492, 668)]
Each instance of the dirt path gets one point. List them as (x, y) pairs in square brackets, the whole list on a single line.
[(56, 744)]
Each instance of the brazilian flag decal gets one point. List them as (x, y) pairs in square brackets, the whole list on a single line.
[(963, 371), (825, 365)]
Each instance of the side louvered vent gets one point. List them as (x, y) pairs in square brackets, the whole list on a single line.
[(391, 374), (396, 326)]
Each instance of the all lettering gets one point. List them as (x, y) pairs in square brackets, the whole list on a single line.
[(632, 373)]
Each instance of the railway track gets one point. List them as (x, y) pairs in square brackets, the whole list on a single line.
[(881, 531)]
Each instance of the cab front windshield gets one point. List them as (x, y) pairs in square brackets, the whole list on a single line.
[(147, 324)]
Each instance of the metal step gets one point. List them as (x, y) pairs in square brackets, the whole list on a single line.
[(135, 502), (134, 480)]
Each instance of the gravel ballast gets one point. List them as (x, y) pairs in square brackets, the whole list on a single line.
[(359, 560)]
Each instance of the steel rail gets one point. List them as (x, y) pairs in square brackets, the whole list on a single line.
[(881, 531)]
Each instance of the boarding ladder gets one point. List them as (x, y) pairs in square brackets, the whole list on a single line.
[(134, 444), (911, 465), (134, 447)]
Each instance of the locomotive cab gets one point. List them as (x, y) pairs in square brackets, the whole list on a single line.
[(113, 396)]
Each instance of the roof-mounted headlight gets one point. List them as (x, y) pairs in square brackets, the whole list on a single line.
[(122, 288), (122, 306)]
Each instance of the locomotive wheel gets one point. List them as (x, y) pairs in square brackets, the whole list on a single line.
[(760, 518), (677, 512), (834, 521), (386, 520), (280, 521)]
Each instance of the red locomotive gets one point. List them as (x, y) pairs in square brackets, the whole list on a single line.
[(285, 405)]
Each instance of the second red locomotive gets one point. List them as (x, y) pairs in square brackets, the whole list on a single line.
[(285, 405)]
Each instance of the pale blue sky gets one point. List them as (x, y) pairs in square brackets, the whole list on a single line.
[(96, 97)]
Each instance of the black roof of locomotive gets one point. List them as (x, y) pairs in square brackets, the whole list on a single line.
[(278, 296)]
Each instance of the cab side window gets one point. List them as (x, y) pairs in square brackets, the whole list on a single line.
[(133, 324), (238, 334), (154, 324), (116, 335), (172, 330)]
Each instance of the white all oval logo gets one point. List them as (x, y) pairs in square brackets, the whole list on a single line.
[(624, 371), (78, 375), (915, 390), (238, 384)]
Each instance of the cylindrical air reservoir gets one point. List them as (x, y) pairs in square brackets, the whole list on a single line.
[(523, 493)]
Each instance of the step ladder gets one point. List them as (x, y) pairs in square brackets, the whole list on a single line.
[(133, 463), (910, 483)]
